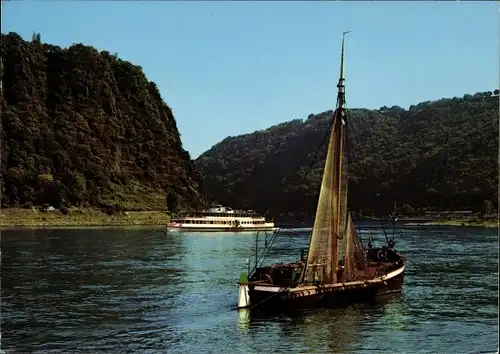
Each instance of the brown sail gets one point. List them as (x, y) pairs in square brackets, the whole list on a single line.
[(354, 258)]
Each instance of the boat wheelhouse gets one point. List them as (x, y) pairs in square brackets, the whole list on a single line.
[(220, 218)]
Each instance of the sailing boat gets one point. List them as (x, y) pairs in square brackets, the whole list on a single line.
[(338, 268)]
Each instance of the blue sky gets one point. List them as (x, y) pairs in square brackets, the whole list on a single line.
[(228, 68)]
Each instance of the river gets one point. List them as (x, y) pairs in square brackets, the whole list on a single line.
[(137, 290)]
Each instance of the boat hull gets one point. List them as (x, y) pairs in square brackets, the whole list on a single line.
[(219, 229), (328, 296)]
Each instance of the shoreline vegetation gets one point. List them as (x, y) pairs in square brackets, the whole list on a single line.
[(80, 217), (457, 222), (158, 219), (116, 145), (435, 155), (463, 223)]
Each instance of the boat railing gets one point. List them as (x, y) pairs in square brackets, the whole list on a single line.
[(260, 253), (268, 237), (222, 214)]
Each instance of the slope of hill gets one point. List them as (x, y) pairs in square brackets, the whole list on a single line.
[(441, 154), (84, 127)]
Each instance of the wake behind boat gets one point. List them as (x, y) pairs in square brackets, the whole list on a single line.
[(338, 269), (219, 218)]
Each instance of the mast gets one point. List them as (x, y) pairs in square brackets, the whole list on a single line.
[(339, 224), (340, 85), (331, 213)]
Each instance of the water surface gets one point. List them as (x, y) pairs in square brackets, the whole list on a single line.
[(137, 290)]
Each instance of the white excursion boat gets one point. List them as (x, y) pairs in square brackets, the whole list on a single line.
[(220, 218)]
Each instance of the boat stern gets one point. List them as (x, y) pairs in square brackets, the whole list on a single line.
[(174, 226), (244, 297)]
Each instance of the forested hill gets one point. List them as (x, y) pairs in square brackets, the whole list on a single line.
[(81, 126), (441, 154)]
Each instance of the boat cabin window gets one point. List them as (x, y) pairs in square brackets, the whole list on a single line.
[(219, 222)]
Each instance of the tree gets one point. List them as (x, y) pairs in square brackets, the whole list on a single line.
[(408, 210), (172, 202), (85, 128), (36, 37), (488, 207), (436, 154)]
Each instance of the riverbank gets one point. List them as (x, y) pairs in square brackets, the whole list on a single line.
[(444, 222), (80, 217), (464, 223)]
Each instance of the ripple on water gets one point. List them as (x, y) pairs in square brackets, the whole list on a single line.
[(138, 291)]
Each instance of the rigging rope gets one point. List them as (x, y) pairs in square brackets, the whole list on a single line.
[(282, 290), (367, 173), (264, 253), (314, 161), (318, 149)]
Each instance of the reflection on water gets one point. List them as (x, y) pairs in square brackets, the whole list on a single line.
[(323, 330), (135, 290), (244, 320)]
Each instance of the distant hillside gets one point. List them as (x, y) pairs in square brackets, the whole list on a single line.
[(81, 126), (441, 154)]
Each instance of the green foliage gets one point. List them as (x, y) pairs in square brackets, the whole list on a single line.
[(172, 202), (64, 210), (488, 207), (36, 37), (441, 154), (83, 127), (407, 210), (28, 205), (46, 178)]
